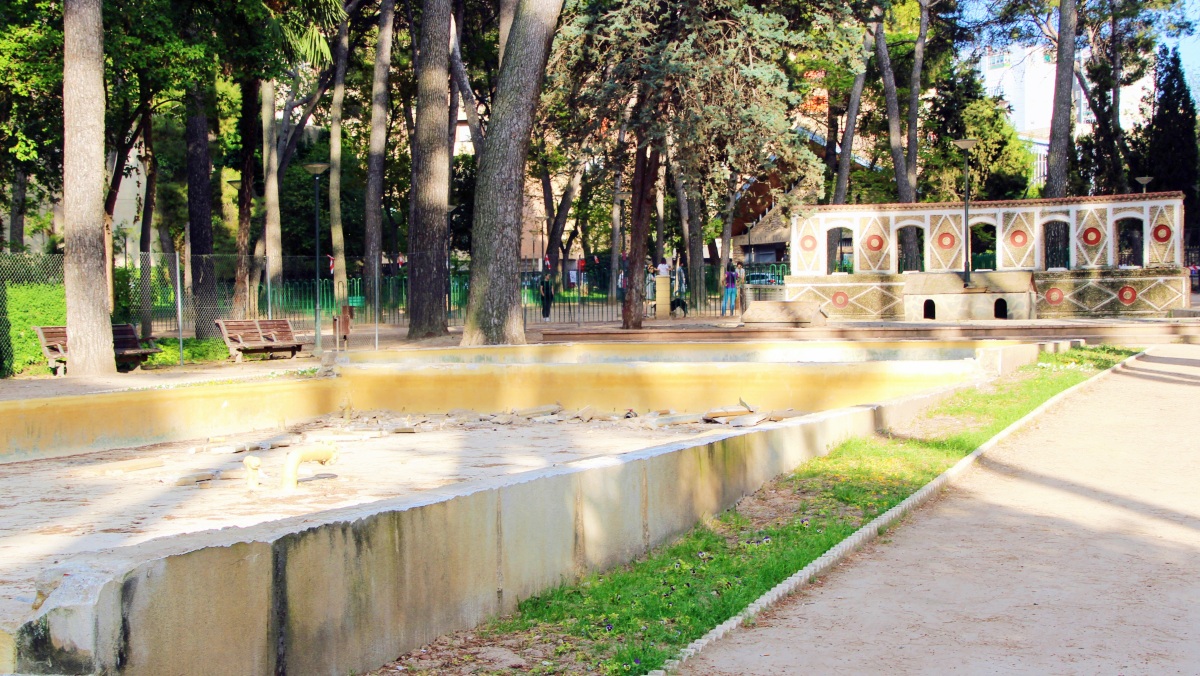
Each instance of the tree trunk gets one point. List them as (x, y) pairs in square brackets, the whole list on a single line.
[(697, 216), (581, 219), (341, 57), (199, 179), (494, 311), (727, 223), (645, 174), (508, 10), (88, 322), (831, 136), (846, 157), (146, 264), (373, 210), (904, 189), (427, 234), (273, 229), (914, 96), (463, 83), (1061, 144), (1119, 152), (121, 158), (659, 215), (616, 238), (557, 218), (249, 128), (16, 220)]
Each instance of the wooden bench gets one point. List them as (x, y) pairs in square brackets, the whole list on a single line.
[(250, 336), (126, 347)]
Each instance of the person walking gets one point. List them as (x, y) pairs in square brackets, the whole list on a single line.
[(547, 293), (729, 298), (741, 286)]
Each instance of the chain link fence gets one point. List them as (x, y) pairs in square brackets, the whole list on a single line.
[(31, 294)]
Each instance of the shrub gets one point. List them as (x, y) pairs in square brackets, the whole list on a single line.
[(195, 351), (22, 307)]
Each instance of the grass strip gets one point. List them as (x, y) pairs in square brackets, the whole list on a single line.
[(633, 619)]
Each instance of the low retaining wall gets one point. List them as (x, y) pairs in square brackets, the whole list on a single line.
[(58, 426), (367, 583)]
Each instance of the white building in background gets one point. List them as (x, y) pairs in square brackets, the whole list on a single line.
[(1024, 78)]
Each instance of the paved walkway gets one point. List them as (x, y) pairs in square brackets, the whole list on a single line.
[(1071, 549)]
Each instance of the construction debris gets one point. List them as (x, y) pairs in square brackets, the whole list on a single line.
[(538, 411), (748, 420)]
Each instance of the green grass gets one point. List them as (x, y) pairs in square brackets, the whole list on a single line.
[(633, 619), (195, 351)]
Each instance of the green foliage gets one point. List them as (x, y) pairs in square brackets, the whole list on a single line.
[(633, 619), (1166, 148), (22, 307), (1000, 165), (195, 351)]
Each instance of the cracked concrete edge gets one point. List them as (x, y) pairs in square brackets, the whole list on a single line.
[(826, 562)]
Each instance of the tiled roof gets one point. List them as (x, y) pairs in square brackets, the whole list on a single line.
[(1000, 204)]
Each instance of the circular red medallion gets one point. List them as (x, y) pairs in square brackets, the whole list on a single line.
[(1018, 238), (1162, 233), (946, 240), (1127, 295), (1091, 236), (1054, 296), (808, 243), (874, 242), (840, 299)]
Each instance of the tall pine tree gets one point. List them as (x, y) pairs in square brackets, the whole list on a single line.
[(1168, 145)]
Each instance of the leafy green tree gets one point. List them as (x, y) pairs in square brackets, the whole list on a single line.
[(1000, 164)]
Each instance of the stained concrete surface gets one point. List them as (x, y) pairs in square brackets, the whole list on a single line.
[(1070, 549), (58, 508)]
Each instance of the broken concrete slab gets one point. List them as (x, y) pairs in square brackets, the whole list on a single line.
[(726, 412), (748, 420), (538, 411)]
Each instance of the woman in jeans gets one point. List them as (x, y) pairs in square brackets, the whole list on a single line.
[(729, 298)]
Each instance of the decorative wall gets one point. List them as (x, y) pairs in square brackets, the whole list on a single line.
[(1093, 283)]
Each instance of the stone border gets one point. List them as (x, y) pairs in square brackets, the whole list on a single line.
[(827, 561)]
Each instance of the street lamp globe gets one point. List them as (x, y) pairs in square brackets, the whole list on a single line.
[(316, 168)]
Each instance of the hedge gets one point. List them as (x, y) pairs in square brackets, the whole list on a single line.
[(22, 307)]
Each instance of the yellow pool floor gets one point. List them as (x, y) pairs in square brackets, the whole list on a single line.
[(61, 507)]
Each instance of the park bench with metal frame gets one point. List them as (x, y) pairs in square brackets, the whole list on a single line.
[(251, 336), (126, 347)]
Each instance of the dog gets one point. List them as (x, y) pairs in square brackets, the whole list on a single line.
[(678, 304)]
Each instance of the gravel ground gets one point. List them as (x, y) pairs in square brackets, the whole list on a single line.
[(1069, 549)]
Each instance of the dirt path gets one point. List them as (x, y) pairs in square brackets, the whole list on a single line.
[(1070, 549)]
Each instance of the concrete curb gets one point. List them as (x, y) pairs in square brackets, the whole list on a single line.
[(870, 531)]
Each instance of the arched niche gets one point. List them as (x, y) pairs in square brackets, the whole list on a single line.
[(839, 246), (983, 246), (1129, 236), (1056, 245), (910, 249)]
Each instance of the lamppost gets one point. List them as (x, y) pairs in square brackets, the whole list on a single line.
[(316, 169), (965, 145), (1144, 180)]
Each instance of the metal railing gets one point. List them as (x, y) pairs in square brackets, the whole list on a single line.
[(169, 296)]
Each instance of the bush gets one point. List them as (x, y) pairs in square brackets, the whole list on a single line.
[(195, 351), (22, 307)]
